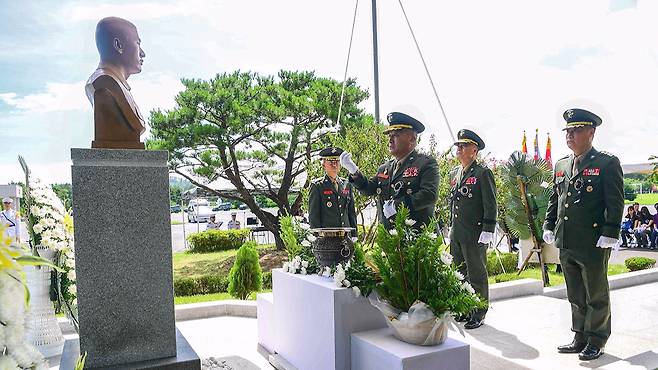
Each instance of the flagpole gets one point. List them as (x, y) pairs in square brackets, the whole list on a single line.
[(375, 58)]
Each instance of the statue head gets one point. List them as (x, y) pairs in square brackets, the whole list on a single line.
[(118, 44)]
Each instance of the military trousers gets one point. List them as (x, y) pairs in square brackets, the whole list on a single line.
[(471, 257), (586, 275)]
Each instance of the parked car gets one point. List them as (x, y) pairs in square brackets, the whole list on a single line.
[(243, 206), (175, 208), (199, 213), (226, 206)]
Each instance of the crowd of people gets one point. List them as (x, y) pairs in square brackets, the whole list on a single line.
[(639, 227)]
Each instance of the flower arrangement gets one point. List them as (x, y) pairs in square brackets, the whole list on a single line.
[(297, 238), (50, 225), (15, 352)]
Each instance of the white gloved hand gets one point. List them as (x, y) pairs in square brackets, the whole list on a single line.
[(389, 208), (485, 237), (606, 242), (347, 162), (548, 236)]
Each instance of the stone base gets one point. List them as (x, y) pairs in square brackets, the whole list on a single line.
[(266, 327), (185, 359), (379, 349), (313, 321)]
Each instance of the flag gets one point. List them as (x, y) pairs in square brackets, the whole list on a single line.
[(548, 150), (537, 156), (524, 147)]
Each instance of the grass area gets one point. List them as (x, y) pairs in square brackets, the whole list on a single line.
[(196, 264), (554, 278), (644, 199), (210, 297)]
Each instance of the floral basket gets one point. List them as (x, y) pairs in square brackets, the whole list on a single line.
[(418, 326)]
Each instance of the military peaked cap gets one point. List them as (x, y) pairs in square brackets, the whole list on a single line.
[(465, 136), (401, 121)]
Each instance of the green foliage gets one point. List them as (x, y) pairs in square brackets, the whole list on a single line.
[(267, 280), (175, 194), (217, 240), (297, 239), (412, 266), (63, 192), (537, 176), (639, 263), (254, 131), (246, 275), (358, 273), (204, 284), (654, 172), (447, 161), (629, 189), (509, 261)]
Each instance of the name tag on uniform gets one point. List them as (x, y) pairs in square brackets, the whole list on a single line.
[(471, 180), (327, 192), (382, 176), (346, 191), (591, 171), (559, 174), (410, 172), (453, 182)]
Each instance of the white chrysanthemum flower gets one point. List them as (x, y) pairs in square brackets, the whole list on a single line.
[(303, 271), (357, 291), (446, 257), (393, 232), (306, 243), (71, 275), (432, 236), (467, 286), (327, 271), (8, 363), (347, 283), (459, 275), (409, 222), (73, 289), (305, 264), (311, 238), (305, 226)]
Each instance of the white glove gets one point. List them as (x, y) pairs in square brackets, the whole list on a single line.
[(347, 162), (485, 237), (606, 242), (548, 236), (389, 208)]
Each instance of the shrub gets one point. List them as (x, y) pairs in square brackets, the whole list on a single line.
[(639, 263), (509, 261), (217, 240), (246, 275), (205, 284), (267, 280)]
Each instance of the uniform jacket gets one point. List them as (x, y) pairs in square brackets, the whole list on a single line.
[(415, 184), (330, 208), (585, 205), (472, 201)]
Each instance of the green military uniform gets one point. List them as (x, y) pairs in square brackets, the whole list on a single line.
[(472, 211), (586, 204), (331, 205), (413, 181)]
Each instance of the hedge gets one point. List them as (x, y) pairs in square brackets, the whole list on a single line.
[(509, 261), (639, 263), (208, 284), (217, 240)]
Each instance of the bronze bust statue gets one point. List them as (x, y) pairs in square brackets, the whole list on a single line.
[(117, 120)]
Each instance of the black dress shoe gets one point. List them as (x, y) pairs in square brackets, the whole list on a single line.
[(591, 352), (573, 347), (474, 323)]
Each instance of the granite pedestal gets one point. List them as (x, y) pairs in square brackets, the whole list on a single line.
[(123, 256), (379, 349), (314, 320)]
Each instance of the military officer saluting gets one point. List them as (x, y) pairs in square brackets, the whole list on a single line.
[(411, 178), (9, 218), (583, 219), (472, 218), (331, 201)]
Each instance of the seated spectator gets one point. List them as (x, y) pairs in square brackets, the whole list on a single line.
[(643, 227), (654, 230), (627, 226), (212, 224)]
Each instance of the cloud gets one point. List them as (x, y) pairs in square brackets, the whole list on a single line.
[(57, 97), (568, 57)]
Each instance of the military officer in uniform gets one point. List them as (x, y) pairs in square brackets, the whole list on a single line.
[(410, 178), (472, 219), (233, 224), (331, 201), (10, 219), (583, 219)]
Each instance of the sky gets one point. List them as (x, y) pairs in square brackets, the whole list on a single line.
[(499, 67)]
